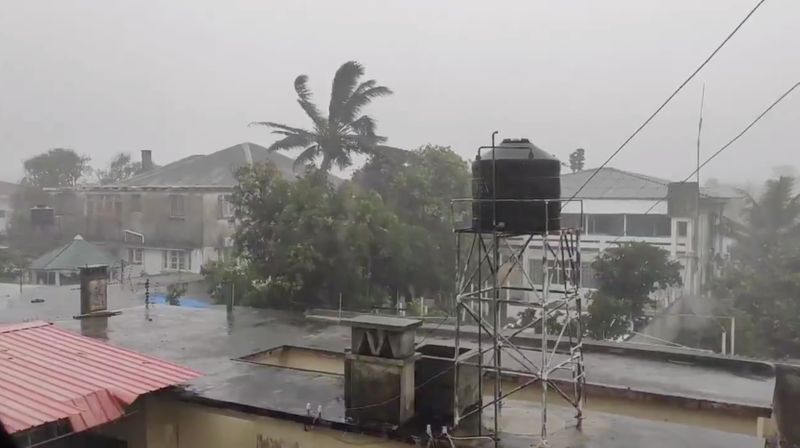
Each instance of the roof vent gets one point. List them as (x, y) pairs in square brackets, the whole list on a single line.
[(379, 369)]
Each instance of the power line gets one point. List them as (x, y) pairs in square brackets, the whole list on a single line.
[(669, 99), (727, 145)]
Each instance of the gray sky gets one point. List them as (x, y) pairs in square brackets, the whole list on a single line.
[(185, 77)]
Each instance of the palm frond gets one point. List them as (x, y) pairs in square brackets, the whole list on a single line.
[(344, 82), (281, 127), (361, 98), (290, 142), (304, 99), (363, 144), (344, 161), (307, 156), (364, 125)]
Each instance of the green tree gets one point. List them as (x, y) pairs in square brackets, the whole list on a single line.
[(305, 242), (418, 187), (120, 168), (762, 275), (576, 160), (627, 275), (335, 138), (56, 168)]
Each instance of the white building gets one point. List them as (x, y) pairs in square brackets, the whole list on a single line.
[(621, 206)]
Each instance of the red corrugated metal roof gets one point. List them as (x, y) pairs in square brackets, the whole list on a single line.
[(48, 374)]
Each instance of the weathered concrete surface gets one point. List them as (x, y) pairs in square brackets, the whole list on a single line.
[(208, 339), (661, 370), (520, 427), (787, 404), (63, 302), (435, 381), (379, 390)]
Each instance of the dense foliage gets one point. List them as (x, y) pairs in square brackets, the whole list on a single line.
[(56, 168), (120, 168), (627, 275), (305, 242), (577, 159), (763, 275)]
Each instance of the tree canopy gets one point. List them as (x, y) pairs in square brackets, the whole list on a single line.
[(56, 168), (120, 168), (627, 275), (577, 159), (762, 275), (302, 243), (334, 138)]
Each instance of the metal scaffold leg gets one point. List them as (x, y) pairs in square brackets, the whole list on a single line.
[(496, 271)]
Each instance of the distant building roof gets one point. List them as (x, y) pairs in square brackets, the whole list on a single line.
[(73, 255), (613, 183), (48, 375), (215, 169), (7, 188)]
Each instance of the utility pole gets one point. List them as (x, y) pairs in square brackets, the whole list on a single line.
[(147, 293), (696, 236)]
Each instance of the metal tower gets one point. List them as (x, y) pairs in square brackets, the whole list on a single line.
[(547, 290)]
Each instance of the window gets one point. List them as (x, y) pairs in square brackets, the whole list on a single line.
[(176, 206), (606, 224), (683, 228), (176, 260), (134, 255), (588, 276), (224, 206), (2, 213), (136, 202), (647, 225), (571, 221)]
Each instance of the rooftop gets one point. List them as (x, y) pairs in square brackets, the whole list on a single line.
[(215, 169), (613, 183), (73, 255), (210, 340), (7, 188), (48, 374)]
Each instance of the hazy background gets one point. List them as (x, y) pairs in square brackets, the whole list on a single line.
[(186, 77)]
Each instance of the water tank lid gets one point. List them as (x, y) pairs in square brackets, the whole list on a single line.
[(516, 148)]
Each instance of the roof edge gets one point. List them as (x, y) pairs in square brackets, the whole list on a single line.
[(23, 326)]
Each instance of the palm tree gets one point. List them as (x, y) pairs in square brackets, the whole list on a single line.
[(343, 132), (771, 220)]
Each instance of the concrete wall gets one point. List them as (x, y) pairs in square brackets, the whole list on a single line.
[(216, 228), (787, 403), (153, 261), (104, 215), (5, 213), (166, 423), (150, 215)]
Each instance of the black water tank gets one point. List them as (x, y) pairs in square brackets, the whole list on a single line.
[(523, 172)]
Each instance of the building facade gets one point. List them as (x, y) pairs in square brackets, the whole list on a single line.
[(7, 191), (618, 206), (174, 218)]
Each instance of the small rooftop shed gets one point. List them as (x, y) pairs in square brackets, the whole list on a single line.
[(60, 265)]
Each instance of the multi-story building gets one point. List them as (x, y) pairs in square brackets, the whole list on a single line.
[(618, 206), (165, 219), (7, 190)]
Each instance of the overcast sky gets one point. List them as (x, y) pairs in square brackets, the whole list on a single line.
[(185, 77)]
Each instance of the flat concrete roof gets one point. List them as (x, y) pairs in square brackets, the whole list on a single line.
[(398, 324), (208, 340)]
